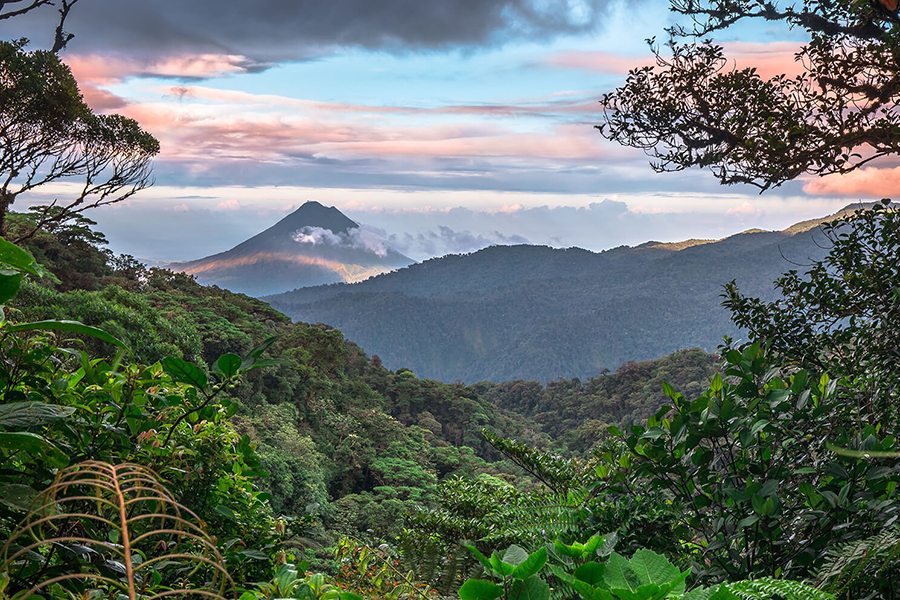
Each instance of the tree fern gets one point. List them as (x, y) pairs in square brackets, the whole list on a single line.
[(860, 562), (114, 531), (768, 588)]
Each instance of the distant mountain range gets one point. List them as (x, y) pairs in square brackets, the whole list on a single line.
[(314, 245), (533, 312)]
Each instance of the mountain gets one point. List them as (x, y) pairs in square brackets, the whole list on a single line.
[(533, 312), (313, 245)]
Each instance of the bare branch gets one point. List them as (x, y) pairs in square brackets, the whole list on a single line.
[(21, 11)]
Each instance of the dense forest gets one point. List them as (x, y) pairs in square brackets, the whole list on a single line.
[(533, 312), (292, 444), (164, 439)]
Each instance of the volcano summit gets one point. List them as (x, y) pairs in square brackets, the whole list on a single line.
[(313, 245)]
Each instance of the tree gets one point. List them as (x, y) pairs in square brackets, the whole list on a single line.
[(841, 316), (693, 109), (49, 135)]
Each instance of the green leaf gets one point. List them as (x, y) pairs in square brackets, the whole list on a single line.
[(17, 496), (502, 568), (533, 588), (479, 589), (254, 554), (9, 285), (350, 596), (590, 573), (70, 326), (515, 555), (254, 354), (531, 565), (653, 568), (17, 258), (228, 365), (618, 574), (573, 551), (33, 444), (481, 557), (225, 512), (30, 414), (184, 372)]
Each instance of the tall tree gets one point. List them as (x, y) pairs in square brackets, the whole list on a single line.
[(49, 135), (693, 108)]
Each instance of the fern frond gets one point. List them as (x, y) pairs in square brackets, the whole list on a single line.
[(768, 588), (118, 528), (867, 558)]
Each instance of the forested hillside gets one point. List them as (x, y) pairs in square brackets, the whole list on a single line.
[(531, 312), (345, 440)]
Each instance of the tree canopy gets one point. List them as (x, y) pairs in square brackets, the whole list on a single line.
[(694, 108), (49, 135)]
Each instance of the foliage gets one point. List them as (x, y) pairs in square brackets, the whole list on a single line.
[(746, 464), (696, 109), (291, 581), (840, 316), (110, 531), (645, 576), (375, 572), (858, 567), (49, 135)]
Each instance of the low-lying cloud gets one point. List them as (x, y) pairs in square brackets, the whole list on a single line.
[(359, 238), (445, 240)]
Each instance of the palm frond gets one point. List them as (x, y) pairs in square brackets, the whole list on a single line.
[(118, 529)]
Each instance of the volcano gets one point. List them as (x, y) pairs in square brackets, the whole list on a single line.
[(313, 245)]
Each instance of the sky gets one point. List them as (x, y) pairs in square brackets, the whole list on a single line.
[(441, 125)]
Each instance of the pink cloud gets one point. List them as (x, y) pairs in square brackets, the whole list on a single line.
[(105, 70), (770, 59), (744, 209), (599, 62), (868, 182), (553, 106)]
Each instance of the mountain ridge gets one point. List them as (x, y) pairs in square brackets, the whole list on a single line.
[(532, 312)]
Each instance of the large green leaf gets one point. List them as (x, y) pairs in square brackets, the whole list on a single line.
[(17, 496), (618, 574), (33, 444), (533, 588), (228, 365), (591, 573), (515, 555), (9, 285), (531, 565), (70, 326), (30, 414), (651, 567), (17, 258), (479, 589), (184, 372)]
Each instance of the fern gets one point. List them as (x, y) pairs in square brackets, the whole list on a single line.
[(115, 527), (776, 589), (863, 560)]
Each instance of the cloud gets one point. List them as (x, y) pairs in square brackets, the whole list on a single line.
[(100, 69), (769, 59), (745, 208), (359, 238), (279, 30), (868, 182), (444, 240)]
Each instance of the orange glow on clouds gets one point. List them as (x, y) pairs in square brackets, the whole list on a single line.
[(868, 182)]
